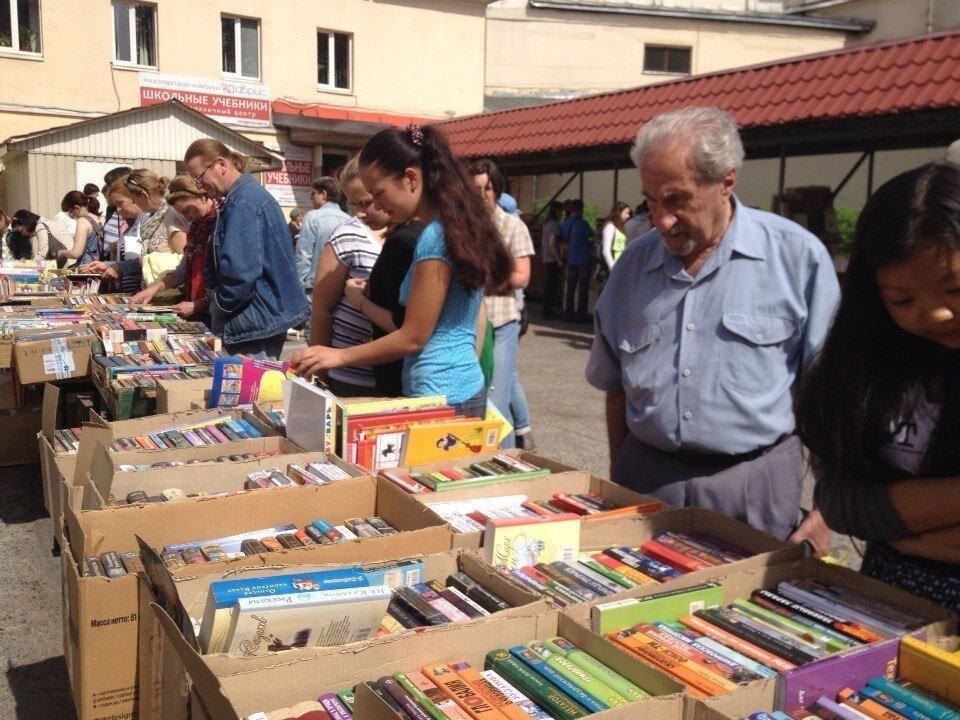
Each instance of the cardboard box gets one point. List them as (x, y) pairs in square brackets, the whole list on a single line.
[(101, 620), (107, 481), (163, 681), (226, 694), (178, 395), (804, 684), (564, 478), (73, 468), (59, 359)]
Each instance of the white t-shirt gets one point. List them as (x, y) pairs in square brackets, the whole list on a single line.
[(912, 432)]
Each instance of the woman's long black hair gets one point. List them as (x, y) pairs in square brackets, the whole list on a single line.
[(868, 365), (480, 256)]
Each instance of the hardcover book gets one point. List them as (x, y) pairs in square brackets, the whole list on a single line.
[(512, 543), (264, 625)]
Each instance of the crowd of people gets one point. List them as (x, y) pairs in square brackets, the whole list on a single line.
[(722, 342)]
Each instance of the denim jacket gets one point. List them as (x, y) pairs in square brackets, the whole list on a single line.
[(256, 293)]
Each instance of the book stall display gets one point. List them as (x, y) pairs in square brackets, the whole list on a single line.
[(239, 543)]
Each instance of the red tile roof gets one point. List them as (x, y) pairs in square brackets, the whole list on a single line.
[(879, 79)]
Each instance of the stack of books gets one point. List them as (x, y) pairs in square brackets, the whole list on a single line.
[(542, 679), (473, 515), (713, 649), (214, 431), (500, 468), (196, 461)]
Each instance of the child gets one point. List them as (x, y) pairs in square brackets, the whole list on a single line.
[(880, 410)]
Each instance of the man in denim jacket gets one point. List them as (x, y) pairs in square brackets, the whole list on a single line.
[(255, 293)]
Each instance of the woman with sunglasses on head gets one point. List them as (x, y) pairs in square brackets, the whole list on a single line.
[(411, 173), (201, 211), (126, 271), (252, 284), (88, 237)]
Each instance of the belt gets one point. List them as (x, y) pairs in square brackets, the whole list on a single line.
[(720, 460)]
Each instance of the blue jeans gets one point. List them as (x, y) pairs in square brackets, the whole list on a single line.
[(505, 391), (475, 407), (578, 283), (261, 349)]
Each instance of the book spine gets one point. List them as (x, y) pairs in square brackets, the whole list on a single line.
[(535, 663), (716, 649), (334, 707), (623, 569), (420, 697), (673, 664), (534, 686), (529, 707), (848, 696), (578, 676), (447, 705), (898, 706), (497, 700), (581, 578), (597, 669), (721, 667), (857, 632), (461, 692), (440, 604), (736, 626), (403, 698), (737, 643), (612, 575), (686, 563)]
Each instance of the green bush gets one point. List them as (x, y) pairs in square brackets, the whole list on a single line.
[(846, 224)]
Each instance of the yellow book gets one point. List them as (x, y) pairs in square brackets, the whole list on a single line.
[(430, 442), (931, 668), (512, 543)]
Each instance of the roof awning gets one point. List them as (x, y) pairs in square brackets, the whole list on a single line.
[(313, 124)]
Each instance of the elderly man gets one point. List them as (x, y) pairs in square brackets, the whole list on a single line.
[(702, 332)]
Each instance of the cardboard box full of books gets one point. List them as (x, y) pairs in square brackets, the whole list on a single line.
[(562, 479), (101, 614), (932, 672), (632, 532), (65, 488), (236, 695), (39, 361), (163, 683), (793, 687), (110, 483)]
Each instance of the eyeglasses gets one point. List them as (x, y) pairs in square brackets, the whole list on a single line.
[(199, 179)]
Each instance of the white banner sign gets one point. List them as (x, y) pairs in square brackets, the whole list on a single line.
[(236, 103)]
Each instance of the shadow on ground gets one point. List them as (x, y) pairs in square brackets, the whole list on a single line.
[(41, 690)]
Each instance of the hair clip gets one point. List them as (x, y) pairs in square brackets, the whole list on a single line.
[(416, 134)]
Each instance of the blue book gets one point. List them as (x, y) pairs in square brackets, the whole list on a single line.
[(224, 594), (249, 427), (917, 700)]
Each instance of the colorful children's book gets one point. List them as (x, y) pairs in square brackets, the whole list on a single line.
[(512, 543), (437, 442), (241, 381)]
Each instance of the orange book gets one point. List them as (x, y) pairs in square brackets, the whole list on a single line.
[(443, 676), (625, 570), (738, 644), (680, 666), (491, 694)]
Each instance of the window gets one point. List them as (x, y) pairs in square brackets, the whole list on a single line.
[(240, 38), (135, 34), (661, 59), (333, 59), (20, 25)]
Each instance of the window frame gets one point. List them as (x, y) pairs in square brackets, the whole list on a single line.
[(331, 49), (14, 49), (667, 50), (131, 6), (238, 48)]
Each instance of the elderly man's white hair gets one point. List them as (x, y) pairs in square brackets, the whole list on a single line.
[(709, 132)]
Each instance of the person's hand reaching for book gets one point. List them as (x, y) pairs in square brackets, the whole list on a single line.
[(315, 359)]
